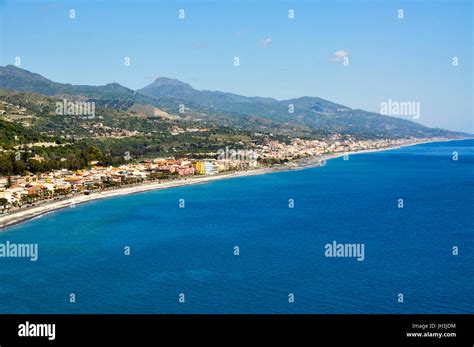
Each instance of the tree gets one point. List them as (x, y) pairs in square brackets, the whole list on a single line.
[(3, 203)]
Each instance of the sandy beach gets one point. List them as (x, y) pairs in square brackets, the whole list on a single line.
[(18, 216), (27, 213)]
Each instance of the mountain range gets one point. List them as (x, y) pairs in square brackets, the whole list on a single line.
[(317, 115)]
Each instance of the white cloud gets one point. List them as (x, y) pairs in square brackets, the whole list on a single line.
[(267, 41), (339, 55)]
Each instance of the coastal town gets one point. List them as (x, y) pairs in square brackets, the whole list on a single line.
[(21, 192)]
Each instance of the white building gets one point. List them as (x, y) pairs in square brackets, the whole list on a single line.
[(209, 168)]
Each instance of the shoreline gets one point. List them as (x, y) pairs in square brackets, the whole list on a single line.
[(11, 219)]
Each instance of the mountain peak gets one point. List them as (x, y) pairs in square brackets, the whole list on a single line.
[(164, 87), (11, 67), (115, 85), (13, 70), (169, 82), (15, 78)]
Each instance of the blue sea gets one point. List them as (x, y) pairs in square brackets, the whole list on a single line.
[(191, 250)]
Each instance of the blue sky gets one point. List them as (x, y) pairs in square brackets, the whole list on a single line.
[(406, 59)]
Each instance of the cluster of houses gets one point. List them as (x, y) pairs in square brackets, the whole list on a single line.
[(16, 191), (299, 148)]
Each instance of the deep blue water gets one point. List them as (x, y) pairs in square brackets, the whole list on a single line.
[(190, 250)]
